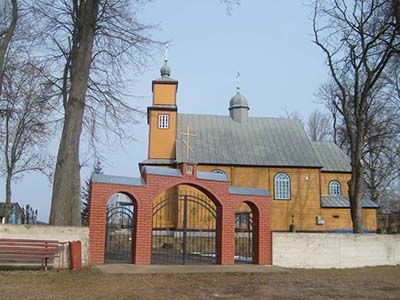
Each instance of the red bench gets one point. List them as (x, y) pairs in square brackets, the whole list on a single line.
[(16, 250)]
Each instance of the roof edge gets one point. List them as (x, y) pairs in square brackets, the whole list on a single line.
[(238, 190)]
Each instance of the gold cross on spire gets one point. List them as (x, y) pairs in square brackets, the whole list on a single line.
[(187, 141)]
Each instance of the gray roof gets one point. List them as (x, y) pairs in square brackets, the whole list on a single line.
[(162, 171), (116, 179), (158, 161), (257, 141), (331, 157), (343, 202), (238, 190), (212, 176)]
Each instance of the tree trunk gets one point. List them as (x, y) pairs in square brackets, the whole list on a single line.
[(355, 197), (65, 203), (356, 184), (7, 208), (6, 40)]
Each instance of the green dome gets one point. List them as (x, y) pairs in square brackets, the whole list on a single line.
[(165, 70), (238, 101)]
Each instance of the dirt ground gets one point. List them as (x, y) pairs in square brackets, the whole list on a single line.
[(364, 283)]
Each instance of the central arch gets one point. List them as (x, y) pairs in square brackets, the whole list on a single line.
[(184, 227)]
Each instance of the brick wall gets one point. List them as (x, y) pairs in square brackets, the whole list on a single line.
[(143, 197)]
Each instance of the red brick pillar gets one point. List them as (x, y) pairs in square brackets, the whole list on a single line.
[(97, 225), (262, 236), (226, 240), (143, 232)]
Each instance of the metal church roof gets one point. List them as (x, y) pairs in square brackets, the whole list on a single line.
[(331, 157), (343, 202), (257, 141)]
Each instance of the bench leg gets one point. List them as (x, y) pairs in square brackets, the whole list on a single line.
[(45, 264)]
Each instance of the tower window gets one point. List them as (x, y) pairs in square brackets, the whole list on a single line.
[(163, 121)]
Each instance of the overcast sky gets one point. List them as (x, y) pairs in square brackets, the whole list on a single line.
[(268, 42)]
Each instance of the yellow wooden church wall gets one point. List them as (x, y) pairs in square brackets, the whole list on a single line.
[(166, 216), (162, 141), (171, 215), (340, 218), (327, 177), (304, 205), (369, 215), (164, 94)]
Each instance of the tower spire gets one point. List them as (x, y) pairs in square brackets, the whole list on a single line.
[(238, 106), (166, 53), (238, 82), (165, 69)]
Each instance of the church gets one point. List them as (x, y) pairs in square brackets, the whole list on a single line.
[(214, 187), (307, 180)]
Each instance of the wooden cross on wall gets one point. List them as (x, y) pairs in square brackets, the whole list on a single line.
[(186, 142)]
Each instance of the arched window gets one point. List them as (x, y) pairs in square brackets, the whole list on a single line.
[(334, 188), (218, 171), (282, 186)]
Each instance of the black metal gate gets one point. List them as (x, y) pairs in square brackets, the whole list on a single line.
[(119, 233), (184, 230), (244, 250)]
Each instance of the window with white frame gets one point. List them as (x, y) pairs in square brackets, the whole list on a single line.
[(218, 171), (163, 121), (282, 186), (334, 188)]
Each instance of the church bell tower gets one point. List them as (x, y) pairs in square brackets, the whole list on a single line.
[(162, 115)]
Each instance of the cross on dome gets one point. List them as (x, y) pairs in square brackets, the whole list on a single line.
[(165, 69)]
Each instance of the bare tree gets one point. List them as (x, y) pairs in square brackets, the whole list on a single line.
[(358, 39), (396, 12), (24, 130), (319, 126), (382, 133), (8, 23), (97, 169), (230, 5), (293, 115), (91, 45), (382, 140)]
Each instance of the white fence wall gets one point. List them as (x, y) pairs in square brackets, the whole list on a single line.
[(328, 250), (63, 234)]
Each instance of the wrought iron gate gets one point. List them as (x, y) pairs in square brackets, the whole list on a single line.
[(184, 230), (119, 233), (244, 237)]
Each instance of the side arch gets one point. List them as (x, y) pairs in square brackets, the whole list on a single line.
[(247, 233), (120, 228)]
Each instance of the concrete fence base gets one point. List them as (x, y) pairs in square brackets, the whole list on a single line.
[(63, 234), (328, 250)]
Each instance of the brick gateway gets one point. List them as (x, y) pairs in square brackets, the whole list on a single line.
[(156, 180)]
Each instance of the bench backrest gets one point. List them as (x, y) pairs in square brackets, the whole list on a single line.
[(29, 246)]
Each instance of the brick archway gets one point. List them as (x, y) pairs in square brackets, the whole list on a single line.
[(154, 181)]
